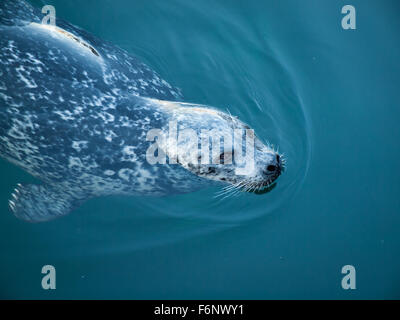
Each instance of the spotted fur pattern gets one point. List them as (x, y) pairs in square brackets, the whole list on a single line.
[(74, 112)]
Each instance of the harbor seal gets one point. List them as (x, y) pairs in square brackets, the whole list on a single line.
[(77, 112)]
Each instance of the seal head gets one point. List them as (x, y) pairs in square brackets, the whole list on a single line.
[(219, 147)]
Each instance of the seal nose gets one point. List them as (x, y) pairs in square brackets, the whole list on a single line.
[(276, 167)]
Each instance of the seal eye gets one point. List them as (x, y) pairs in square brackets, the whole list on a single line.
[(229, 157), (221, 158), (271, 167)]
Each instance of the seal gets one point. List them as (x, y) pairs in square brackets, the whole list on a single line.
[(77, 113)]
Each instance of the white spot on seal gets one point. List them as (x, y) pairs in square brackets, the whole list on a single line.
[(128, 154), (74, 162), (125, 173), (79, 145)]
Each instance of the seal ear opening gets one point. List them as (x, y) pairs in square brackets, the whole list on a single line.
[(38, 203)]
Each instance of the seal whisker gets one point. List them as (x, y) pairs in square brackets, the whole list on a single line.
[(227, 195), (228, 189), (225, 190)]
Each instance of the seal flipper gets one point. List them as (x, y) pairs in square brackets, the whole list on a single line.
[(38, 203)]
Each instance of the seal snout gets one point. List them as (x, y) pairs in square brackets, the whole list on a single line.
[(273, 169)]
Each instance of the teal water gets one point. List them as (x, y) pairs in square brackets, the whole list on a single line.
[(327, 97)]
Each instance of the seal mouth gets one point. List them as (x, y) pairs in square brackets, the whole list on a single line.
[(266, 189), (263, 186), (260, 187)]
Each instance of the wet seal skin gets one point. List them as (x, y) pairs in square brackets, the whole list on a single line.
[(75, 112)]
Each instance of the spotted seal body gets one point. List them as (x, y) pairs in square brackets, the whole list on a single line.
[(75, 112)]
